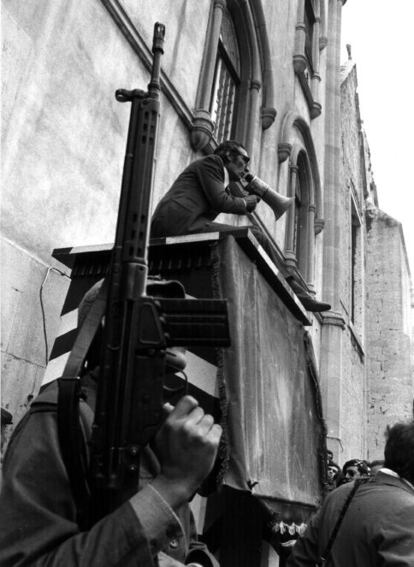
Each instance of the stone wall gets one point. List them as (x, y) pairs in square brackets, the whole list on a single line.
[(390, 347), (63, 145), (345, 379), (31, 300)]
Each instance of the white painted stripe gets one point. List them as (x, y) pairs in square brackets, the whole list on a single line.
[(192, 237), (55, 368), (68, 322), (91, 248), (202, 374)]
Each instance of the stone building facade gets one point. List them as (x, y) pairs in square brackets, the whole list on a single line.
[(64, 136), (378, 287), (265, 72), (390, 371)]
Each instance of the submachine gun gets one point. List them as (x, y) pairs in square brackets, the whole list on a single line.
[(138, 328)]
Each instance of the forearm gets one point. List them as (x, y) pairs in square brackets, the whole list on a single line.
[(38, 525), (118, 539), (132, 536)]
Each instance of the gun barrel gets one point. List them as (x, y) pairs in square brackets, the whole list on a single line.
[(154, 87)]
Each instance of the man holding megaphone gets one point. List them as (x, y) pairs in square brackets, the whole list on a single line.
[(202, 191)]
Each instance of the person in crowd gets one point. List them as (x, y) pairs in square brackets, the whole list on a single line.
[(376, 526), (353, 469), (329, 456), (332, 474), (39, 519), (203, 191)]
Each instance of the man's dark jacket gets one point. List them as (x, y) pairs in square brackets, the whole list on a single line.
[(195, 199), (377, 529)]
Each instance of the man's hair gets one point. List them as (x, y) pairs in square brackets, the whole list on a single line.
[(360, 464), (232, 146), (399, 450)]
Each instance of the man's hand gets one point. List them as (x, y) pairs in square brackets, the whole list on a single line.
[(186, 446), (251, 202)]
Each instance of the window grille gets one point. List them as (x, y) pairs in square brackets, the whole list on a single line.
[(309, 18), (223, 105), (355, 268), (301, 218), (223, 101)]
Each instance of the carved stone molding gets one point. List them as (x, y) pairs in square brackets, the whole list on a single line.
[(308, 71), (319, 225), (323, 42), (201, 130), (315, 110), (308, 85), (268, 117), (333, 318), (299, 63), (284, 149), (291, 262)]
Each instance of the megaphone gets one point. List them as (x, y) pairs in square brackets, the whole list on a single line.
[(277, 202)]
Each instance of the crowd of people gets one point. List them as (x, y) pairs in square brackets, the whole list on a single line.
[(351, 470), (367, 518)]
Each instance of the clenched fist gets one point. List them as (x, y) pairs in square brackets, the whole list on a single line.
[(186, 446)]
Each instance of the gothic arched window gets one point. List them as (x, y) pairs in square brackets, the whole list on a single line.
[(299, 171), (306, 54), (223, 104), (230, 99), (301, 232)]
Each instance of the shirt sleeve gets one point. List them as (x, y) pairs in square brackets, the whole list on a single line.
[(149, 506), (38, 517), (211, 178)]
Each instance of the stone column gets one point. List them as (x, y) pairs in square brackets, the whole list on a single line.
[(290, 255), (310, 269), (203, 127), (333, 322)]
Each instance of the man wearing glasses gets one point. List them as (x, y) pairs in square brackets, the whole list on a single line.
[(200, 194)]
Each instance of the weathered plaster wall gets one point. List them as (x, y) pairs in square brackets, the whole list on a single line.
[(63, 130), (186, 27), (390, 371), (31, 299), (64, 133), (63, 141), (352, 405), (344, 379)]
